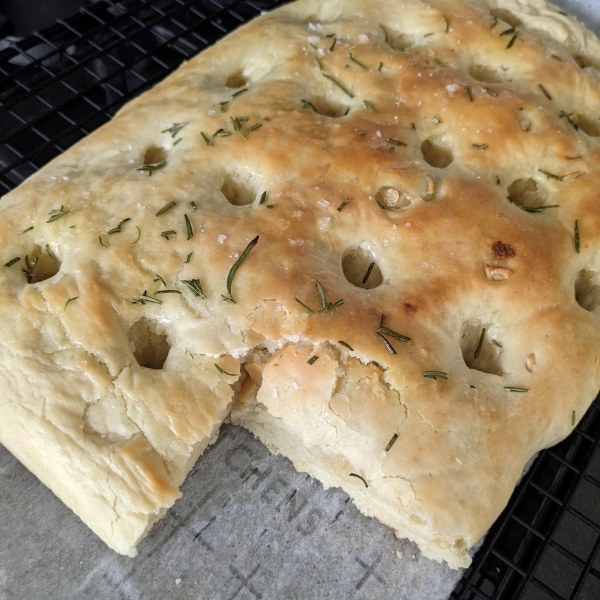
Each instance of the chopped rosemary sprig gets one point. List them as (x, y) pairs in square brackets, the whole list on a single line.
[(220, 133), (166, 234), (159, 278), (326, 306), (193, 205), (369, 106), (436, 120), (435, 375), (391, 442), (480, 146), (165, 208), (478, 349), (573, 418), (167, 292), (368, 273), (263, 198), (396, 141), (189, 257), (545, 91), (491, 91), (177, 142), (469, 93), (241, 118), (447, 23), (428, 34), (439, 63), (29, 267), (57, 214), (223, 105), (537, 209), (319, 63), (69, 302), (270, 206), (511, 388), (13, 261), (335, 82), (154, 167), (359, 477), (513, 39), (555, 57), (145, 298), (362, 132), (101, 242), (508, 31), (497, 343), (332, 47), (380, 66), (391, 332), (235, 267), (551, 175), (118, 228), (26, 230), (385, 33), (224, 372), (207, 140), (189, 228), (342, 343), (576, 236), (341, 206), (238, 93), (386, 343), (312, 360), (255, 127), (137, 239), (236, 127), (194, 286), (175, 129), (356, 62)]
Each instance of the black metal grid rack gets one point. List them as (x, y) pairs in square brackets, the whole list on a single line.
[(58, 85)]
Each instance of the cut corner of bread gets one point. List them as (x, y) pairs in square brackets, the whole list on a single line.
[(365, 231)]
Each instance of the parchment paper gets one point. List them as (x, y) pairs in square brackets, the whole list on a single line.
[(248, 526)]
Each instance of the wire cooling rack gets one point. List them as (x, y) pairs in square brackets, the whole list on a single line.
[(58, 85)]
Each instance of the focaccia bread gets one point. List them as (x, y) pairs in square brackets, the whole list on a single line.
[(365, 230)]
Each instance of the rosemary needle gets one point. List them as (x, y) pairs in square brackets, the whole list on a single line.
[(338, 84), (69, 302), (342, 343), (224, 372), (235, 267), (341, 206), (312, 360), (478, 349), (391, 442), (189, 228), (359, 477), (165, 208)]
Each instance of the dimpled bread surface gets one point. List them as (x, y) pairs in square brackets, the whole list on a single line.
[(409, 192)]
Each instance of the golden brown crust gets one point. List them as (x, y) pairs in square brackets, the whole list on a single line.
[(448, 114)]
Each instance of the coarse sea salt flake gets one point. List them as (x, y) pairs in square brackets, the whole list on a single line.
[(324, 222), (221, 238)]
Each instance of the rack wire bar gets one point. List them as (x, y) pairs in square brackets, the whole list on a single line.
[(58, 85)]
